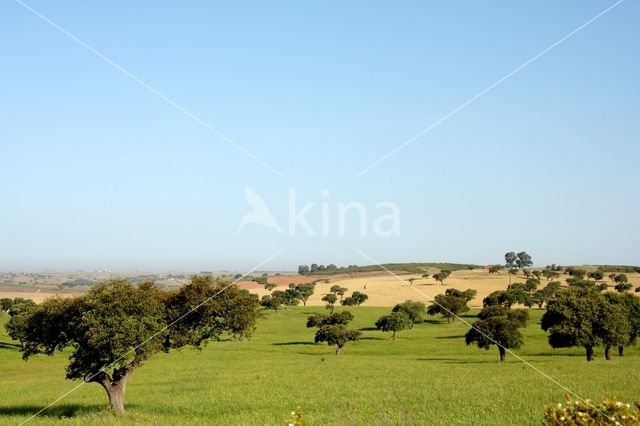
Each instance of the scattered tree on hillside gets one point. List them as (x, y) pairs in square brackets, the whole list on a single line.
[(449, 306), (330, 299), (508, 298), (338, 291), (494, 269), (514, 261), (441, 276), (356, 299), (615, 328), (573, 318), (270, 286), (415, 311), (116, 327), (596, 275), (393, 322), (19, 312), (302, 292), (540, 297), (497, 326), (550, 274), (336, 335)]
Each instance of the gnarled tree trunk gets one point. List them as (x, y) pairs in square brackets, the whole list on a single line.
[(620, 350), (338, 350), (503, 353), (114, 385), (590, 355), (607, 352)]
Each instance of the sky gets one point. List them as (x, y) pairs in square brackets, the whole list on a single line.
[(132, 147)]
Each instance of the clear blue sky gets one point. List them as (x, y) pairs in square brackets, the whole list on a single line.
[(98, 172)]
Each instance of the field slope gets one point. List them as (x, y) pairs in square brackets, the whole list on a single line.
[(427, 376)]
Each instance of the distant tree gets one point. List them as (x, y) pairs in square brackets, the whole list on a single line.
[(540, 297), (550, 274), (415, 311), (623, 287), (302, 292), (514, 261), (116, 327), (331, 267), (19, 312), (359, 297), (411, 280), (5, 304), (494, 269), (330, 299), (393, 322), (531, 285), (509, 297), (596, 275), (576, 273), (495, 330), (441, 276), (237, 276), (338, 291), (322, 268), (448, 306), (467, 295), (537, 274), (270, 286), (303, 269), (290, 297), (313, 268), (336, 335), (273, 301), (348, 301)]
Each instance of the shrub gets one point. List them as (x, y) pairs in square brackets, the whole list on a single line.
[(587, 413)]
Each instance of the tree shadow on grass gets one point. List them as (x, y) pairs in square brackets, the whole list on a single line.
[(451, 337), (294, 343), (62, 411), (367, 329), (459, 361), (11, 346), (373, 338)]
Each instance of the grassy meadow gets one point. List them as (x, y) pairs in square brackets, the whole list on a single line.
[(426, 376)]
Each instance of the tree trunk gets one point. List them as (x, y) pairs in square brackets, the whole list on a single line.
[(607, 352), (393, 335), (590, 355), (503, 353), (338, 350), (620, 350), (114, 386)]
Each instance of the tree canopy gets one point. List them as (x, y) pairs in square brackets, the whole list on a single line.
[(393, 322), (116, 327)]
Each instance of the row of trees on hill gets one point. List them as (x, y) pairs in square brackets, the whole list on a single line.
[(305, 270)]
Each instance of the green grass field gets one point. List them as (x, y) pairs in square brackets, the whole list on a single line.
[(427, 376)]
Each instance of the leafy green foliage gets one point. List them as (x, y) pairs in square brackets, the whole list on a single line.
[(498, 326), (118, 326), (441, 276), (336, 335), (393, 322), (335, 318), (449, 306), (415, 311)]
